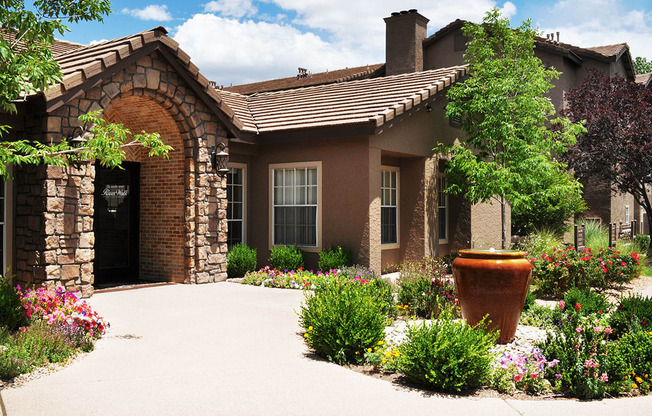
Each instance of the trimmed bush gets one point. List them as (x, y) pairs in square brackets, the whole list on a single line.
[(633, 313), (240, 260), (286, 258), (643, 243), (447, 354), (11, 309), (343, 320), (334, 258)]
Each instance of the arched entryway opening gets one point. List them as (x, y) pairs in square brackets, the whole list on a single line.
[(139, 210)]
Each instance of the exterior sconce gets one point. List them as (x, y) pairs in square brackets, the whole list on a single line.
[(428, 109), (220, 159)]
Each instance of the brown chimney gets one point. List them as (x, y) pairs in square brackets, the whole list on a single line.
[(404, 35)]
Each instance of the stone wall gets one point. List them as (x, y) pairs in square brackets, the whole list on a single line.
[(55, 205)]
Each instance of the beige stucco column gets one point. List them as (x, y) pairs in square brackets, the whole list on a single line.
[(486, 225), (373, 219)]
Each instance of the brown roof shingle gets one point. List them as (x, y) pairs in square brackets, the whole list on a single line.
[(328, 77), (373, 101), (644, 79), (78, 66)]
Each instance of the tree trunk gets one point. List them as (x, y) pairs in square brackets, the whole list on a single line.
[(503, 223)]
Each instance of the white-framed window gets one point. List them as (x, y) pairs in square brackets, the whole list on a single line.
[(442, 213), (389, 206), (296, 204), (236, 209)]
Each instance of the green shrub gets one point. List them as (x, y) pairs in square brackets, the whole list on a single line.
[(343, 319), (38, 345), (286, 258), (631, 362), (633, 313), (589, 301), (643, 243), (334, 258), (11, 309), (240, 260), (530, 299), (447, 354), (596, 234), (579, 344), (540, 242), (424, 289), (556, 272)]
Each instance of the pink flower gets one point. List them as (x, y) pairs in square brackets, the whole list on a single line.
[(534, 376), (604, 377), (561, 304), (608, 331), (518, 377), (597, 329), (578, 329)]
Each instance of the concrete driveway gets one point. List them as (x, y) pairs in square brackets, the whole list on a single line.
[(230, 349)]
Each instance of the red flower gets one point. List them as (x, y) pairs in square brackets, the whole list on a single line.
[(578, 307)]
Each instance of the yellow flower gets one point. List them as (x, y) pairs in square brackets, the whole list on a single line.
[(384, 361), (310, 328), (305, 335), (375, 348), (369, 350), (357, 352), (387, 354), (639, 380), (380, 342), (634, 385)]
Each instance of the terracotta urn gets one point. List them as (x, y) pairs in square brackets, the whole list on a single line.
[(493, 282)]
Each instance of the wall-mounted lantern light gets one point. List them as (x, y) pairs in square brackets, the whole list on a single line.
[(220, 159)]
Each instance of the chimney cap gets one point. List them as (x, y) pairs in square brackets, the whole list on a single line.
[(395, 13), (404, 12), (412, 11)]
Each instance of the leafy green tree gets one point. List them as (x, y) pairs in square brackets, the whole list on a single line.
[(27, 66), (642, 65), (512, 136)]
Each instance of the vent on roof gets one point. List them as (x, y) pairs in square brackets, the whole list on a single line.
[(550, 37), (303, 73)]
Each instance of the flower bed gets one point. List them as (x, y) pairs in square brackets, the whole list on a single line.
[(56, 325)]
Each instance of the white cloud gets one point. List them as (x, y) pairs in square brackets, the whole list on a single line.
[(152, 12), (324, 34), (96, 42), (602, 22), (508, 10), (231, 8), (229, 51)]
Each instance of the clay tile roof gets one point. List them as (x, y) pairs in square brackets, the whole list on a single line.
[(328, 77), (609, 51), (58, 47), (81, 64), (644, 79), (373, 101)]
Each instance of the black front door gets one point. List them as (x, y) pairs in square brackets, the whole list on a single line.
[(116, 223)]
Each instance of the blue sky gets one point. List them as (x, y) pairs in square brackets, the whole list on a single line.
[(238, 41)]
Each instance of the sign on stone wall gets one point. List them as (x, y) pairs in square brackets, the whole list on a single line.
[(580, 237)]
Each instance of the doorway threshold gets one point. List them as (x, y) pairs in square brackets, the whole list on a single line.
[(120, 286)]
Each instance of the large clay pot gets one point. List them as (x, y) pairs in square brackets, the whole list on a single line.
[(493, 282)]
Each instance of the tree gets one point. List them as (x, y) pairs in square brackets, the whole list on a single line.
[(617, 146), (27, 66), (642, 66), (508, 154)]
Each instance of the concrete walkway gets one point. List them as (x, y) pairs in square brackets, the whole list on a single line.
[(229, 349)]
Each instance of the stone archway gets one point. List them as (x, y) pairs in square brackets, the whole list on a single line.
[(162, 188), (56, 224)]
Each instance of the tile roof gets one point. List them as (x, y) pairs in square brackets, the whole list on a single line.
[(328, 77), (80, 65), (373, 101), (58, 47), (644, 79), (610, 51)]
